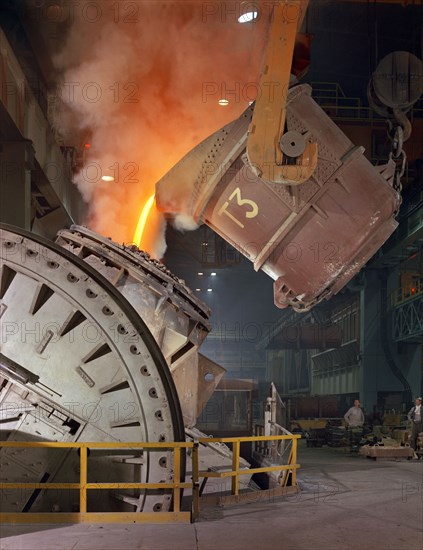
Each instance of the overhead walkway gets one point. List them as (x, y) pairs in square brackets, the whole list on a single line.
[(407, 306)]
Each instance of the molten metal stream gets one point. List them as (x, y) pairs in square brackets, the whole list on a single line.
[(142, 221)]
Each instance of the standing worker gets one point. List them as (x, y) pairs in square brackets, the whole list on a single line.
[(355, 420), (355, 416), (415, 416)]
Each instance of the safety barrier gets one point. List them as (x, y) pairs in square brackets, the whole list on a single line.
[(176, 486), (331, 97), (83, 486), (236, 471)]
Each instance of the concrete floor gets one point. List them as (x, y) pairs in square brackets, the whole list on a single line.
[(347, 502)]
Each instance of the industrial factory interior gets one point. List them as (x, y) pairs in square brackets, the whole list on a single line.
[(211, 274)]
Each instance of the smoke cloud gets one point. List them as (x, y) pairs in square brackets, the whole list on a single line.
[(141, 84), (184, 222)]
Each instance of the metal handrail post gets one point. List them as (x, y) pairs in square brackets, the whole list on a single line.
[(294, 461), (235, 466), (83, 469), (195, 482), (177, 479)]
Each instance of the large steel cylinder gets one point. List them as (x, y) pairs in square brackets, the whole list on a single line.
[(77, 363), (177, 319)]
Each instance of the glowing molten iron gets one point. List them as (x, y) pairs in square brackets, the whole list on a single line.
[(142, 221)]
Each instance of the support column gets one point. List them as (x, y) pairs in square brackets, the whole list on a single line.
[(386, 366), (16, 163), (370, 345)]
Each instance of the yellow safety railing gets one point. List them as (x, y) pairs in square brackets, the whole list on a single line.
[(330, 95), (176, 486), (83, 486), (407, 293), (236, 471)]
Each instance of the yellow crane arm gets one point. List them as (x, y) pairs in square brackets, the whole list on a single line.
[(288, 158)]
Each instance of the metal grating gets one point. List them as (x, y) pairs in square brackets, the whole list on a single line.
[(408, 321)]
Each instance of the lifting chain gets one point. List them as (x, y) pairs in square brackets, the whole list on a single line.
[(398, 133)]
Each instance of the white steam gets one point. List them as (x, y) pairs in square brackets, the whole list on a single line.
[(184, 222)]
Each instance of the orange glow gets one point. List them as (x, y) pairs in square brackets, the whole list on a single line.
[(142, 221), (167, 126)]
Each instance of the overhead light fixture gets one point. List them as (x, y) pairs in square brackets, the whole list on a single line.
[(223, 102), (209, 290), (200, 273), (198, 289), (213, 274), (247, 17), (107, 178)]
